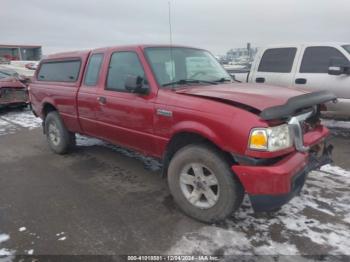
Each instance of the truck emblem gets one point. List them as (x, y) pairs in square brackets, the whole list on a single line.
[(163, 112)]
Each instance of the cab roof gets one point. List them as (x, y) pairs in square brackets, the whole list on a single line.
[(85, 53)]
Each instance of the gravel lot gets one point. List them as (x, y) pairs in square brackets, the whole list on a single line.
[(103, 199)]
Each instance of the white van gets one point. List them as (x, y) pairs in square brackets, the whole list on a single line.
[(321, 66)]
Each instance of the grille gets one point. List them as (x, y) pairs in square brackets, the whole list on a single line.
[(12, 95)]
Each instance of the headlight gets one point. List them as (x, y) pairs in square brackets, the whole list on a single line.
[(270, 139)]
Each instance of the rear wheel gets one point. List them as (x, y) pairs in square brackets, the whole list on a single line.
[(202, 184), (59, 138)]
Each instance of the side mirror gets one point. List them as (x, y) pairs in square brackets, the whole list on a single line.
[(338, 67), (135, 84)]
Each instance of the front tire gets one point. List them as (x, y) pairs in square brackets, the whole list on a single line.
[(203, 185), (59, 138)]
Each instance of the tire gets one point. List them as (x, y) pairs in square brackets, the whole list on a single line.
[(58, 137), (228, 192)]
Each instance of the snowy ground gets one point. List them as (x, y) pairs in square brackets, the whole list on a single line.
[(11, 122), (317, 222), (320, 216), (338, 128)]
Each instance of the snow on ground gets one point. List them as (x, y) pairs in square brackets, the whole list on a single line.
[(149, 162), (338, 128), (335, 170), (24, 119), (4, 251), (22, 229), (12, 121), (336, 124), (316, 222)]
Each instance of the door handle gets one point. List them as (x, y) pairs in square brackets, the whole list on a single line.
[(300, 81), (102, 100), (260, 80)]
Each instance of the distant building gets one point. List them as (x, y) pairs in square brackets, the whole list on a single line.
[(236, 53), (20, 53)]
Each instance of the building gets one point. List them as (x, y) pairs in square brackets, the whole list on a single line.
[(20, 52), (237, 53)]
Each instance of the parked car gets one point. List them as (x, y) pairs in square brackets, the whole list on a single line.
[(13, 89), (3, 60), (31, 65), (311, 67), (217, 139)]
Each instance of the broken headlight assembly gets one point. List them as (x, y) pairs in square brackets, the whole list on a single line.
[(270, 139)]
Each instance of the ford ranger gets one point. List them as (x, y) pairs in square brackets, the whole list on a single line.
[(218, 140)]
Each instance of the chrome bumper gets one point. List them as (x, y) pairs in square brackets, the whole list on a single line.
[(296, 131)]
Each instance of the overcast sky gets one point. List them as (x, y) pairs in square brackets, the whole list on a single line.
[(216, 25)]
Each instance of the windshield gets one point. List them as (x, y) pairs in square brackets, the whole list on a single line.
[(4, 74), (179, 65), (347, 48)]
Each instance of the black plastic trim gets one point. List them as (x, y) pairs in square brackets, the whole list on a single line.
[(296, 103), (252, 161)]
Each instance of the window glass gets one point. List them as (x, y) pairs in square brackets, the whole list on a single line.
[(347, 48), (178, 63), (277, 60), (197, 66), (93, 69), (59, 71), (4, 74), (317, 59), (122, 65)]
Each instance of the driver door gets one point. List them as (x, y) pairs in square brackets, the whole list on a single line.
[(126, 118), (312, 73)]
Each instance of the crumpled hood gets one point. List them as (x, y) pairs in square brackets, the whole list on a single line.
[(11, 82), (259, 97)]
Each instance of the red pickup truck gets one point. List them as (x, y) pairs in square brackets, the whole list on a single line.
[(217, 139)]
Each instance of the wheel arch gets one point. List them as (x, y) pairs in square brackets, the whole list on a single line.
[(186, 137), (47, 108)]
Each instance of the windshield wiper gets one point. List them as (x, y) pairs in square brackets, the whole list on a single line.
[(190, 81), (221, 80)]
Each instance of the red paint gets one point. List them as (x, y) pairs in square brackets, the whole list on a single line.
[(12, 85), (210, 111), (271, 180)]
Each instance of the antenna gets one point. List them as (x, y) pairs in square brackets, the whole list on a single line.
[(170, 28), (171, 45)]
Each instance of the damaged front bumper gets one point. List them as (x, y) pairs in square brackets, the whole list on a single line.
[(270, 187), (13, 96)]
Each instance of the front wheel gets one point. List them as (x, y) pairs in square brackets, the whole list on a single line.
[(59, 138), (203, 185)]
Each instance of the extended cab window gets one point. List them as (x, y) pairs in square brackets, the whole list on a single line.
[(122, 65), (59, 71), (317, 59), (277, 60), (93, 69)]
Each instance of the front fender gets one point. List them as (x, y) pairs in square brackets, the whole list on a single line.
[(197, 128)]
